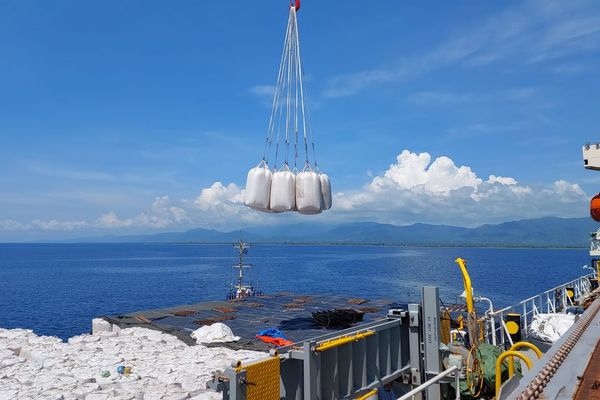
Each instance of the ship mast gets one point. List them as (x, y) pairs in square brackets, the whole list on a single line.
[(243, 250)]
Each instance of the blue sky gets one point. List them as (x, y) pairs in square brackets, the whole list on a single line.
[(120, 117)]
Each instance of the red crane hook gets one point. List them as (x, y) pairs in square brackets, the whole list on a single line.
[(295, 3)]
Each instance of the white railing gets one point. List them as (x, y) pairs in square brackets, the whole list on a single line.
[(595, 244), (550, 301), (426, 384)]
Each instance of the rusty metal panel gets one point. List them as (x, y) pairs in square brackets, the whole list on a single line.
[(589, 386)]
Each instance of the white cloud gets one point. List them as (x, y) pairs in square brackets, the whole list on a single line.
[(111, 220), (437, 97), (417, 189), (55, 225), (219, 195), (223, 205), (12, 225), (217, 206), (37, 224), (263, 90), (501, 179), (416, 172), (532, 32), (161, 214)]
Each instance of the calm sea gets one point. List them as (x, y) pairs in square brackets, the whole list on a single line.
[(56, 289)]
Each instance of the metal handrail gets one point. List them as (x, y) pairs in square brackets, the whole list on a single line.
[(573, 282), (536, 304), (430, 382)]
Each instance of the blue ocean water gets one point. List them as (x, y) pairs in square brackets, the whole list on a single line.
[(56, 289)]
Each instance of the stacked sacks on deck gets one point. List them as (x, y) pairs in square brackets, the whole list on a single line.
[(285, 189), (132, 363)]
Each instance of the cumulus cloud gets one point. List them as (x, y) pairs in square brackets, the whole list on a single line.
[(111, 220), (416, 172), (219, 196), (161, 214), (417, 189), (223, 204), (501, 179), (217, 206)]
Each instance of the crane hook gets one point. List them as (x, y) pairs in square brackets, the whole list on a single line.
[(295, 3)]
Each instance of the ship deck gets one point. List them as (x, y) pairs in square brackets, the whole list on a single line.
[(291, 314), (571, 367)]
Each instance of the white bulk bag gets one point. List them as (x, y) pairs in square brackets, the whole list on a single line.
[(308, 192), (258, 187), (283, 190), (326, 191)]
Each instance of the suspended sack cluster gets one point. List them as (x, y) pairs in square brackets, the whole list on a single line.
[(282, 181)]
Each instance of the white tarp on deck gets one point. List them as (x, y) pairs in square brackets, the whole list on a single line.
[(550, 327)]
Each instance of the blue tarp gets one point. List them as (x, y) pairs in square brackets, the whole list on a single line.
[(272, 332)]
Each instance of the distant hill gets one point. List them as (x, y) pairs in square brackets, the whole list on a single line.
[(541, 232)]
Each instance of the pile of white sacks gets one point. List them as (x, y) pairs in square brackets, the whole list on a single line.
[(308, 191), (162, 367)]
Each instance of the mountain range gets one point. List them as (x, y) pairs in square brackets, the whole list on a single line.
[(540, 232)]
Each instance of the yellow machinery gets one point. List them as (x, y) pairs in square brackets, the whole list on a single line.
[(474, 329), (472, 323)]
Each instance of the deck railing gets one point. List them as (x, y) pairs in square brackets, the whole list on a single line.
[(550, 301)]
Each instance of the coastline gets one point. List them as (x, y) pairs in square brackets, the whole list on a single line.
[(324, 244)]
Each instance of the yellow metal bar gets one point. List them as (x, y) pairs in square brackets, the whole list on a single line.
[(499, 366), (531, 346), (471, 314), (343, 340), (367, 395), (517, 346), (467, 282)]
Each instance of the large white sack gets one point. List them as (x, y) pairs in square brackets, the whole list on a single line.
[(100, 325), (308, 192), (550, 327), (325, 190), (283, 190), (258, 187), (214, 333)]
